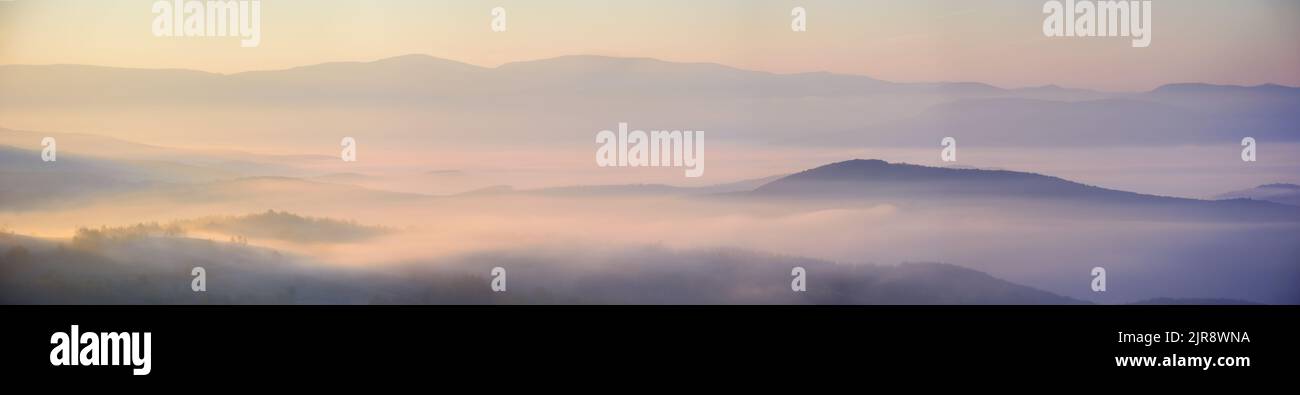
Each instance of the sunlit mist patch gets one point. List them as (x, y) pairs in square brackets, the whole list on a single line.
[(286, 226), (270, 225)]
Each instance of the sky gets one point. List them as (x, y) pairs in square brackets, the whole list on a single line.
[(1226, 42)]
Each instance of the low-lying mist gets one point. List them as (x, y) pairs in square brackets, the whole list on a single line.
[(1044, 245), (155, 270)]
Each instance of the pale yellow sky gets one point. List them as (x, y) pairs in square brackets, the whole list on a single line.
[(1231, 42)]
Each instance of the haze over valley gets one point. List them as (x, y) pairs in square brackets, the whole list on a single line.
[(462, 168)]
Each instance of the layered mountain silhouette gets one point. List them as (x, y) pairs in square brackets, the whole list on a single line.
[(29, 182), (852, 109), (1239, 247), (78, 179)]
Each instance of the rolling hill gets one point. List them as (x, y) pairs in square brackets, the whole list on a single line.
[(876, 180)]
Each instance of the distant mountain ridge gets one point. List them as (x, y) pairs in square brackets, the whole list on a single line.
[(859, 109), (420, 68)]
